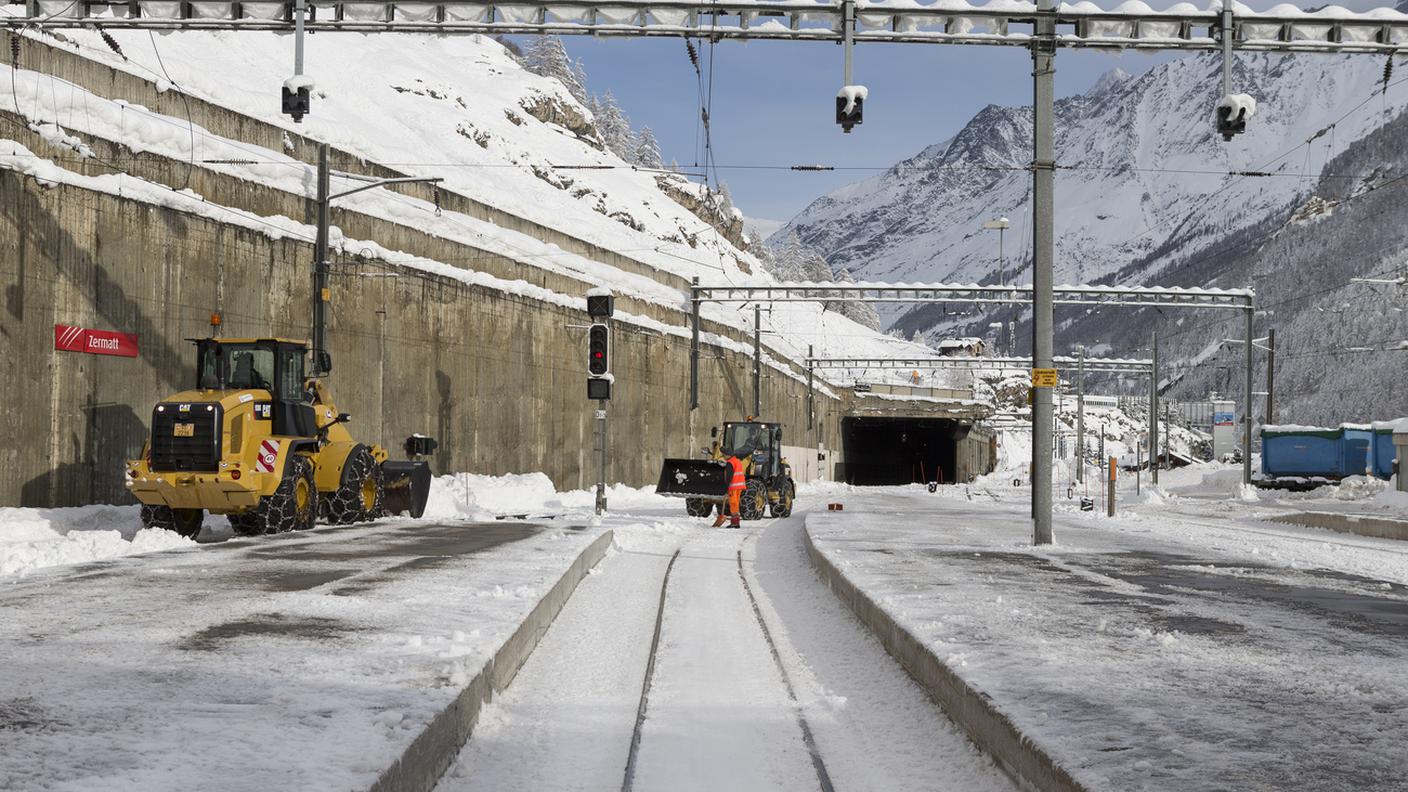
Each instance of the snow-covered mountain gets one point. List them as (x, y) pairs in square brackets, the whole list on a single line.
[(1147, 193), (1143, 173)]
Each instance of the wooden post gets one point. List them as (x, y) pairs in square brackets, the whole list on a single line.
[(1110, 490)]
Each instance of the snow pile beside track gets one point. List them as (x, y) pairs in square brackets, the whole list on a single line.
[(32, 539), (478, 497)]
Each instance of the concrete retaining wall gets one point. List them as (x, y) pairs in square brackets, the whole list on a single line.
[(994, 734), (497, 377), (430, 754)]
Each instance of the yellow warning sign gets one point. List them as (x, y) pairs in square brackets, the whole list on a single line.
[(1044, 378)]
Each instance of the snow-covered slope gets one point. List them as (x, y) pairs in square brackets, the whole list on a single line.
[(1143, 175), (460, 108)]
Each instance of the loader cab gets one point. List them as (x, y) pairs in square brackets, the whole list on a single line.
[(761, 441), (274, 365)]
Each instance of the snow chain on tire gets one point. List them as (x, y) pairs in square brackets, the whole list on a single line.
[(362, 492), (698, 507), (281, 511), (753, 501), (785, 496)]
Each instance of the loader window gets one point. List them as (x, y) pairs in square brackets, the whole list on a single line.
[(210, 359), (291, 376), (250, 367), (743, 438)]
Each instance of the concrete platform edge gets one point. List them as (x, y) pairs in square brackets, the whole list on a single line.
[(429, 755), (1363, 525), (974, 712)]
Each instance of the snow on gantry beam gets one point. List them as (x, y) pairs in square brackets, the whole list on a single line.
[(1092, 365), (1129, 296), (1130, 25)]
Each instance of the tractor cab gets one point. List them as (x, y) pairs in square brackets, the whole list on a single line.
[(756, 441), (274, 365)]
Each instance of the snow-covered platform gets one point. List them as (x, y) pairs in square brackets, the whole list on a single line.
[(326, 660), (1152, 650)]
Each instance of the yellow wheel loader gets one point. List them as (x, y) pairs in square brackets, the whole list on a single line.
[(259, 442), (703, 483)]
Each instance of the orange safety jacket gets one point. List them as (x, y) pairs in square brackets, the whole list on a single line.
[(738, 481)]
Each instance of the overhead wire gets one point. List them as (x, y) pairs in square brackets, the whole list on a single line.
[(191, 164)]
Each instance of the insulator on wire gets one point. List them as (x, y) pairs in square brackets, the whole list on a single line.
[(437, 201), (693, 55), (112, 43), (14, 50), (1388, 72)]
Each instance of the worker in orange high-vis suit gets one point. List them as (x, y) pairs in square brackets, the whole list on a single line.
[(736, 485)]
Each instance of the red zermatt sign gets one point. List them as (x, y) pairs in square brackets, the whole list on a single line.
[(94, 342)]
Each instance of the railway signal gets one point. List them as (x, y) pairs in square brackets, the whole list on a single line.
[(850, 101), (599, 351)]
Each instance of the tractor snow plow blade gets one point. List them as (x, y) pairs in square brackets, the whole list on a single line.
[(407, 487), (693, 478)]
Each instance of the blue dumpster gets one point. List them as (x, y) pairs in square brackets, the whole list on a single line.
[(1301, 451)]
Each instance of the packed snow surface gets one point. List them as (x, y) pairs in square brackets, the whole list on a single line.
[(308, 660), (1153, 650)]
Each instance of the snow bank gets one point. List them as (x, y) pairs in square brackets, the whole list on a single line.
[(33, 539), (471, 496)]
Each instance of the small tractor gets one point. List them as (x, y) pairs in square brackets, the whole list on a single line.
[(259, 442), (703, 483)]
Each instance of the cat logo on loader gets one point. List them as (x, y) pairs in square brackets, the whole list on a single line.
[(258, 442)]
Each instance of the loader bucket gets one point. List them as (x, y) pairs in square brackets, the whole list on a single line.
[(693, 478), (407, 487)]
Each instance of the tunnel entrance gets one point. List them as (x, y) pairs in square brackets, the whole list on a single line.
[(879, 451)]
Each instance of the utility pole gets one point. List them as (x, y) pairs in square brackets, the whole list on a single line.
[(320, 266), (811, 393), (694, 346), (321, 293), (757, 361), (1154, 412), (1080, 415), (1002, 275), (602, 463), (1004, 339), (1247, 401), (1270, 417), (1043, 49)]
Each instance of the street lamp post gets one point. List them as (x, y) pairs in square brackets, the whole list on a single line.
[(1000, 225)]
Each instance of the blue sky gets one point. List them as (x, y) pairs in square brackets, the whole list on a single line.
[(773, 102)]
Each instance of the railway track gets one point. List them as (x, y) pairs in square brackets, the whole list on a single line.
[(823, 777)]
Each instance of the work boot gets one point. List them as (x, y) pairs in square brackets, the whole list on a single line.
[(733, 522), (720, 519)]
